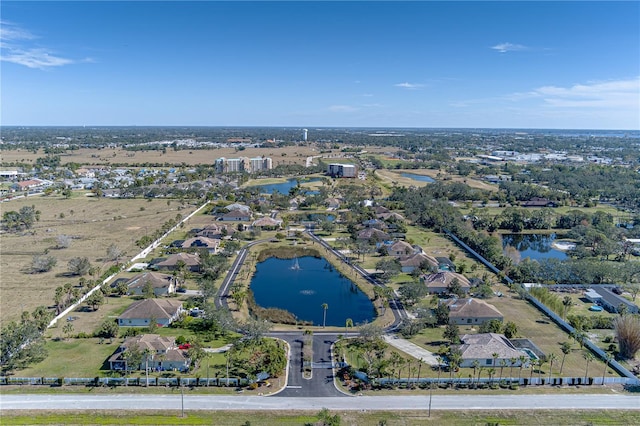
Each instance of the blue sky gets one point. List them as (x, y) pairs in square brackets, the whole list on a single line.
[(303, 64)]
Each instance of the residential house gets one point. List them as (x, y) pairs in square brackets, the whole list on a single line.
[(215, 231), (372, 234), (375, 223), (236, 215), (238, 206), (162, 352), (27, 185), (471, 311), (210, 244), (439, 282), (416, 261), (142, 312), (539, 202), (267, 223), (390, 216), (332, 203), (484, 347), (173, 262), (162, 284), (400, 249)]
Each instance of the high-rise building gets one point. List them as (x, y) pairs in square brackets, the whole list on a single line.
[(341, 170), (243, 164)]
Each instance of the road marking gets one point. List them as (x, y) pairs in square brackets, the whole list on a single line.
[(294, 387)]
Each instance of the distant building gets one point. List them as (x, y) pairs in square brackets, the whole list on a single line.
[(342, 170), (304, 134), (243, 164)]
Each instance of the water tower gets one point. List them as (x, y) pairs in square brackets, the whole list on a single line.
[(304, 134)]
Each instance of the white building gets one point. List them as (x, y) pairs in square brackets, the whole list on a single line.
[(342, 170)]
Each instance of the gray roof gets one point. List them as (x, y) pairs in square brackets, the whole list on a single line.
[(152, 308), (484, 345)]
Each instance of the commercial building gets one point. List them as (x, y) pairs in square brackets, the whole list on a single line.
[(243, 164)]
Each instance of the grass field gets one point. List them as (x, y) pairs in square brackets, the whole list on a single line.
[(93, 223), (390, 176), (354, 418)]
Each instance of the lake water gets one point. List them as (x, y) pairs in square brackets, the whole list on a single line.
[(421, 178), (302, 292), (283, 187), (534, 246)]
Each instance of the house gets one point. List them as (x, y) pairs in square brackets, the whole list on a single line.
[(161, 283), (238, 206), (416, 261), (26, 185), (374, 234), (162, 351), (236, 215), (471, 311), (375, 223), (215, 231), (439, 282), (391, 217), (539, 202), (484, 347), (606, 298), (267, 223), (400, 248), (140, 313), (210, 244), (173, 262)]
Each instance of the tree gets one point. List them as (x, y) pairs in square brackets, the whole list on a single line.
[(510, 330), (63, 241), (121, 288), (42, 263), (627, 329), (451, 333), (551, 358), (147, 290), (324, 314), (454, 287), (389, 267), (67, 329), (588, 357), (566, 350), (442, 314), (95, 300), (326, 419), (566, 302), (79, 266), (113, 252), (108, 329), (348, 323), (491, 326), (607, 360)]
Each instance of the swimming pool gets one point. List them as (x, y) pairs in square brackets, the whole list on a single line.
[(530, 353)]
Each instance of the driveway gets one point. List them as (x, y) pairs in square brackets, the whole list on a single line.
[(412, 349)]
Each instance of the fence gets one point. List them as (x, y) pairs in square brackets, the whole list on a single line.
[(124, 381)]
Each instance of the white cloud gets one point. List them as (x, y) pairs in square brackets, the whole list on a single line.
[(508, 47), (600, 94), (407, 85), (14, 40), (342, 108), (367, 95)]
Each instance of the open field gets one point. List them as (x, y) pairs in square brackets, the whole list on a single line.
[(296, 154), (355, 418), (390, 176), (93, 223)]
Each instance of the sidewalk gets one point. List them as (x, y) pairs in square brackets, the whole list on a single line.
[(412, 349)]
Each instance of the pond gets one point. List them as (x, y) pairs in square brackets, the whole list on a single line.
[(284, 187), (534, 246), (302, 291), (421, 178), (314, 217)]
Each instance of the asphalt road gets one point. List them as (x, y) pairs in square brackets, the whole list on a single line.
[(321, 382), (34, 402)]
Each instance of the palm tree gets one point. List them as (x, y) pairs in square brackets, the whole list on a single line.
[(147, 353), (522, 359), (503, 364), (551, 357), (534, 363), (420, 362), (495, 356), (566, 350), (512, 362), (324, 314), (491, 372), (541, 361), (588, 358), (475, 364), (566, 302), (348, 323), (607, 360)]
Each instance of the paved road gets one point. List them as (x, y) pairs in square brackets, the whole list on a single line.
[(321, 383), (33, 402)]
